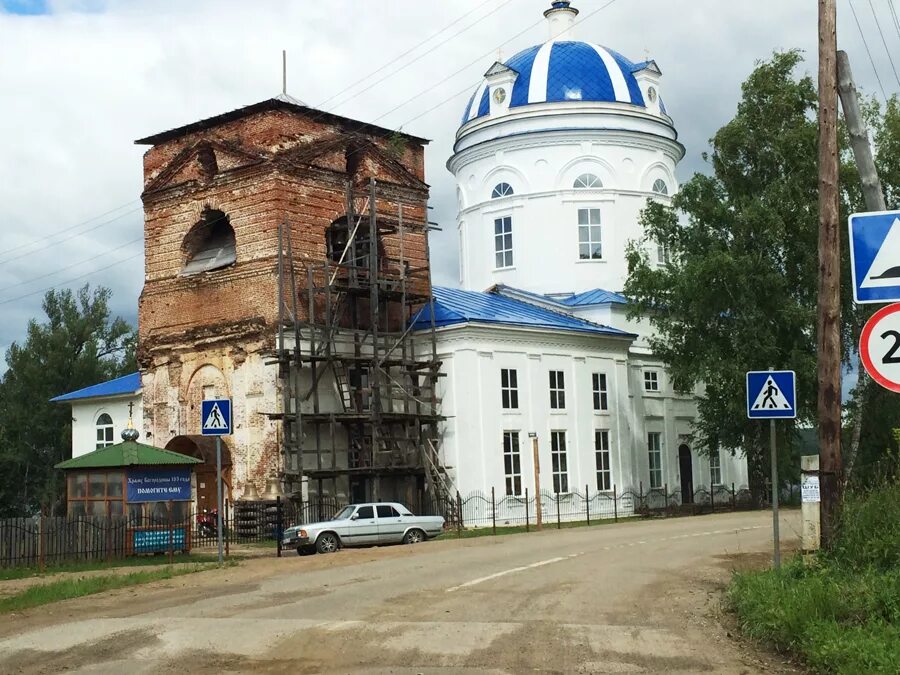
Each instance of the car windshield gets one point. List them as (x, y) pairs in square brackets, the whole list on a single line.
[(344, 513)]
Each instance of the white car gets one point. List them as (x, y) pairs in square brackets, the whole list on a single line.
[(363, 525)]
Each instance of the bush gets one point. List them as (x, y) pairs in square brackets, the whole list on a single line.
[(869, 530), (841, 611)]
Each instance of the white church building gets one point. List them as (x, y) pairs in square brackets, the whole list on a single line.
[(559, 150)]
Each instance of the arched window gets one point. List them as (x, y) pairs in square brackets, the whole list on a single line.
[(660, 187), (105, 434), (210, 243), (587, 181), (502, 190)]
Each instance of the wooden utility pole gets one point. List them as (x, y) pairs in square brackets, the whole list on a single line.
[(829, 310), (874, 198)]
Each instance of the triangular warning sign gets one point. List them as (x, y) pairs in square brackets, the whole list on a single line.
[(770, 397), (885, 268), (215, 420)]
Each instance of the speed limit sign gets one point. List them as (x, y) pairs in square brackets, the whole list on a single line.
[(879, 347)]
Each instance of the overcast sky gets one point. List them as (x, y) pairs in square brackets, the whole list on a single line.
[(81, 79)]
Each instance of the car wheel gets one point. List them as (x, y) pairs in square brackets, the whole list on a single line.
[(328, 542), (414, 537)]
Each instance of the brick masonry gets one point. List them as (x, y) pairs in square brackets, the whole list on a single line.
[(209, 334)]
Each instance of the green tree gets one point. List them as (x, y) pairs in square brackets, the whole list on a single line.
[(740, 291), (79, 344)]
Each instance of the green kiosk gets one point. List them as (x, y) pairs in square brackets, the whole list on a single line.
[(147, 490)]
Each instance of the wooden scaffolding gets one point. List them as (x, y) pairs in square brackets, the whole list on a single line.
[(360, 404)]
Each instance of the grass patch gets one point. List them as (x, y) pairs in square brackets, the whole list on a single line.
[(66, 589), (9, 573), (471, 533), (840, 612)]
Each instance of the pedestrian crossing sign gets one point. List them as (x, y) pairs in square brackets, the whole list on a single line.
[(771, 394), (215, 417)]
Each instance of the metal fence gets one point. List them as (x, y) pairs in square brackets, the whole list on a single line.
[(42, 540)]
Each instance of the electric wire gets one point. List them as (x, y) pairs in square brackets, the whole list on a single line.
[(68, 228), (38, 241), (70, 266), (884, 42), (894, 17), (356, 150), (868, 51), (411, 61)]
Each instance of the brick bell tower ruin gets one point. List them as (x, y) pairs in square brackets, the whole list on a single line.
[(286, 251)]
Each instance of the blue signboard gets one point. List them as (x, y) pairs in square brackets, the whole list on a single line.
[(215, 417), (771, 394), (875, 256), (159, 485), (154, 541)]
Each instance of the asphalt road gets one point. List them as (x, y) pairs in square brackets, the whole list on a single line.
[(636, 597)]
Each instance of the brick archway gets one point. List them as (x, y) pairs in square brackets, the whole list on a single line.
[(204, 448)]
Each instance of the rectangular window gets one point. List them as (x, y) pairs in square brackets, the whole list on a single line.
[(654, 446), (662, 254), (512, 463), (589, 247), (715, 468), (601, 452), (509, 388), (503, 243), (560, 463), (651, 380), (557, 390), (601, 397)]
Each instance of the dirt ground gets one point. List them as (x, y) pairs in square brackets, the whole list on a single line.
[(637, 597)]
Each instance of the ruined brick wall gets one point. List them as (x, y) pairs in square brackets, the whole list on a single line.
[(209, 334)]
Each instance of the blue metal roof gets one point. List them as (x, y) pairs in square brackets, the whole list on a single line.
[(597, 296), (453, 306), (127, 384), (559, 71)]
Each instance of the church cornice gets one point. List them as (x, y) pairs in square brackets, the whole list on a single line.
[(575, 136)]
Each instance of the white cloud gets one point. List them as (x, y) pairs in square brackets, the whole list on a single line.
[(79, 87)]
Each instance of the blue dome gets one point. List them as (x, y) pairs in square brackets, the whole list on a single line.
[(565, 71)]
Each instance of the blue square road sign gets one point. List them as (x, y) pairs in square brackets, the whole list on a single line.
[(215, 417), (771, 394), (875, 256)]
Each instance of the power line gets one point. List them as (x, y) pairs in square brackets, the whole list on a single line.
[(487, 54), (884, 42), (359, 149), (73, 280), (73, 265), (468, 13), (72, 227), (868, 51), (407, 53), (57, 242), (894, 16)]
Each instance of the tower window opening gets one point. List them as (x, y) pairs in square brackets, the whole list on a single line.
[(660, 187), (206, 158), (210, 244), (502, 190), (340, 248), (587, 181)]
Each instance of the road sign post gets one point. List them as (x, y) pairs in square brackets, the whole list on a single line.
[(771, 395), (215, 420)]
